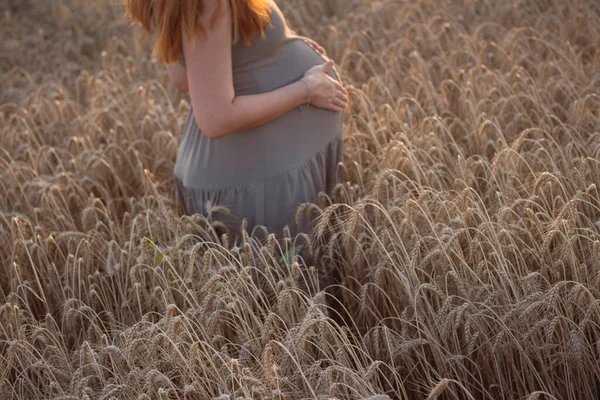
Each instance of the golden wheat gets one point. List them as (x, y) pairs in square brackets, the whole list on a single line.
[(461, 259)]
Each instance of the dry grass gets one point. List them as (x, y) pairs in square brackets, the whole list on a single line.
[(467, 239)]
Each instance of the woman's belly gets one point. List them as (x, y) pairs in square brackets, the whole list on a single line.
[(283, 65), (268, 150)]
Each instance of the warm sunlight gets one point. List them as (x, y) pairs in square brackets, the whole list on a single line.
[(356, 199)]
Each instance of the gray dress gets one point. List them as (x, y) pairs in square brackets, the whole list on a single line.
[(263, 174)]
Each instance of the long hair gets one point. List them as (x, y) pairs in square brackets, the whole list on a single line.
[(175, 18)]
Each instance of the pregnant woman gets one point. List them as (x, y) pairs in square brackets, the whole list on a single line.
[(264, 133)]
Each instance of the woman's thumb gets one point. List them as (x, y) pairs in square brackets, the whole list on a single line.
[(326, 67)]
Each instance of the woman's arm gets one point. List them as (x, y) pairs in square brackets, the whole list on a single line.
[(178, 74), (217, 110), (178, 77)]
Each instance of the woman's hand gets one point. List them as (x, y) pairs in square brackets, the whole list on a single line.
[(325, 92), (314, 45), (311, 43)]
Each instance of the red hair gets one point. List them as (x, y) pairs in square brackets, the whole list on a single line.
[(175, 18)]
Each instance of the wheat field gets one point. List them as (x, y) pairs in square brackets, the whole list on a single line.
[(459, 260)]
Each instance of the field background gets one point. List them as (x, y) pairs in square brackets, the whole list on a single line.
[(467, 236)]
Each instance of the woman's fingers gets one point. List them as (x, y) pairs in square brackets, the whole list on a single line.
[(335, 104), (315, 45), (326, 67), (338, 85), (342, 93), (320, 49), (339, 102)]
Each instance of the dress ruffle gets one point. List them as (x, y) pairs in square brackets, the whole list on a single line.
[(261, 202)]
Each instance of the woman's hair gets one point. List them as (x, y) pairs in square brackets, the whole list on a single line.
[(174, 18)]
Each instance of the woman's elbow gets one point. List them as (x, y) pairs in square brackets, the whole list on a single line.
[(179, 82), (211, 128), (212, 133), (181, 85)]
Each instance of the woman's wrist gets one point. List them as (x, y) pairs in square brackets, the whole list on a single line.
[(308, 94)]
